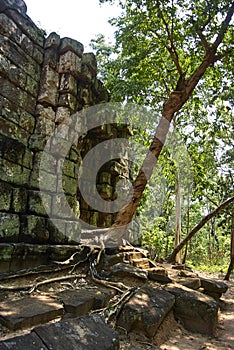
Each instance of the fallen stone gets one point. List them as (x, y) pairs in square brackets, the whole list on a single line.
[(192, 283), (159, 274), (81, 302), (196, 311), (178, 267), (81, 333), (29, 341), (28, 312), (125, 270), (146, 310), (213, 286), (111, 260), (185, 273)]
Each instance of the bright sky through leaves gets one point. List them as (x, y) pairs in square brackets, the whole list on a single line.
[(79, 19)]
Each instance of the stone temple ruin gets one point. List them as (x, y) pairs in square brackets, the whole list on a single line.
[(43, 81)]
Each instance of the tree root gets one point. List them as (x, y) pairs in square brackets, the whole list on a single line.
[(38, 284)]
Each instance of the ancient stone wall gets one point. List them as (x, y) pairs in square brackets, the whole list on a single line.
[(42, 82)]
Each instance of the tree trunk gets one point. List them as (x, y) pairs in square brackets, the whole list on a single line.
[(172, 105), (178, 218), (231, 266), (171, 257)]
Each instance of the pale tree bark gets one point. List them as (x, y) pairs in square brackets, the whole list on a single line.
[(173, 104), (231, 265), (178, 219), (172, 256)]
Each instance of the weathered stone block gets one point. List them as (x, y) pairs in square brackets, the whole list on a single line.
[(126, 270), (63, 115), (36, 206), (84, 333), (27, 26), (68, 100), (213, 286), (32, 86), (37, 142), (34, 229), (49, 86), (14, 173), (192, 283), (19, 58), (9, 227), (53, 40), (146, 310), (44, 181), (19, 200), (81, 302), (57, 231), (68, 84), (46, 112), (46, 162), (73, 231), (14, 131), (38, 54), (70, 185), (68, 44), (17, 5), (196, 311), (9, 110), (30, 311), (29, 341), (69, 62), (5, 196), (65, 207), (44, 126), (27, 121)]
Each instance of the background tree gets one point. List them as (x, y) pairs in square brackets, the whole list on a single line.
[(164, 50)]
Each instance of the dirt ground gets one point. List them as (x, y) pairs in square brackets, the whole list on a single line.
[(181, 339), (172, 336)]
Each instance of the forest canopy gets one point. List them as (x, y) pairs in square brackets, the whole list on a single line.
[(176, 57)]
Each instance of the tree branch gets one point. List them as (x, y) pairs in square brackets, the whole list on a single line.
[(171, 257), (224, 27)]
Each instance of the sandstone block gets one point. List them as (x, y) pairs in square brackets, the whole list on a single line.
[(83, 333), (28, 312), (9, 227), (29, 341), (69, 62), (68, 44), (196, 311), (126, 270), (146, 310)]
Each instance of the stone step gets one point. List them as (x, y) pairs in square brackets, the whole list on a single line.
[(142, 263), (83, 333), (133, 255), (30, 311), (80, 302)]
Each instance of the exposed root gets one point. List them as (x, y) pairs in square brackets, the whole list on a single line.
[(38, 284)]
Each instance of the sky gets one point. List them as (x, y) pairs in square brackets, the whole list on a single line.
[(81, 20)]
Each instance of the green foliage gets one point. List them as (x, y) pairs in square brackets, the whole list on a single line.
[(158, 44)]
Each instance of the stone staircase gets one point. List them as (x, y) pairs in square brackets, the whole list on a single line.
[(67, 315)]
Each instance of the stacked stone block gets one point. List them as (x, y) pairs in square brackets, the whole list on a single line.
[(21, 56), (43, 81)]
